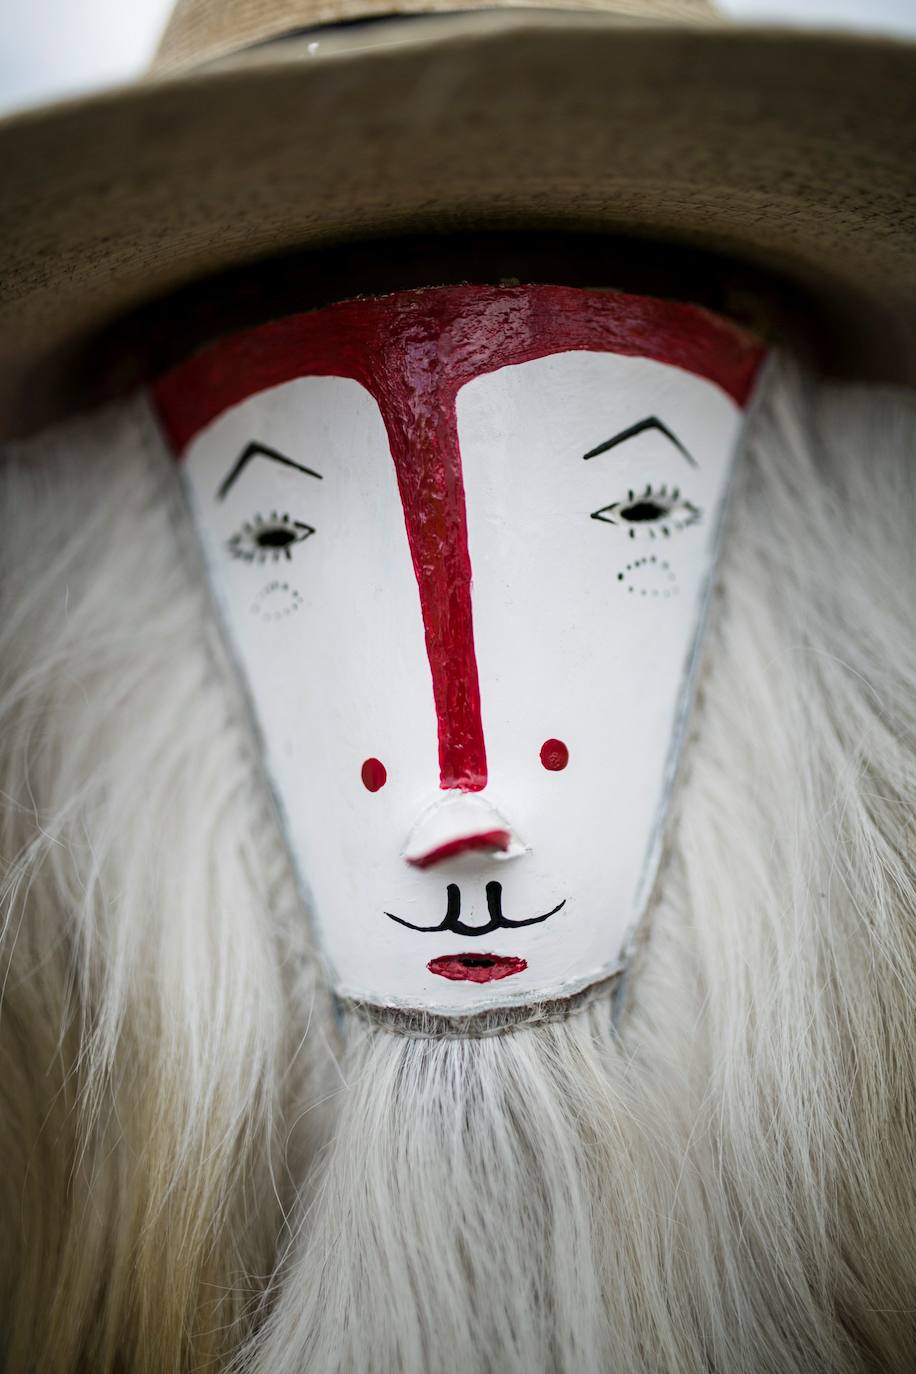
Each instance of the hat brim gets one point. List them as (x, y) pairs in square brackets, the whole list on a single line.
[(794, 151)]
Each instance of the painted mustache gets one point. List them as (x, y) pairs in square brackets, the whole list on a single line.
[(497, 920)]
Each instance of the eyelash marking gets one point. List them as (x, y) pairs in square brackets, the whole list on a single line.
[(260, 539), (650, 512)]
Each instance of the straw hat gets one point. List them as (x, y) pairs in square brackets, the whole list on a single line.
[(272, 126)]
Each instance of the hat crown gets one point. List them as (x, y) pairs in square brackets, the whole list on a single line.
[(205, 30)]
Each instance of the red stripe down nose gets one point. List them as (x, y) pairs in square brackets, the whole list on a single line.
[(413, 351)]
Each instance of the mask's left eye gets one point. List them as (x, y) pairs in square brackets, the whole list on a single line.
[(650, 511), (260, 538)]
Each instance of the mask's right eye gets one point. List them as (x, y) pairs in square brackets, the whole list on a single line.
[(273, 538)]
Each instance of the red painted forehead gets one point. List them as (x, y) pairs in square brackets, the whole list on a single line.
[(413, 352), (435, 340)]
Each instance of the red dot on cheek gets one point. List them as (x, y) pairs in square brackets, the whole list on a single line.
[(554, 755), (374, 774)]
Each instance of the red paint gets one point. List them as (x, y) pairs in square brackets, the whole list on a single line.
[(554, 755), (413, 351), (476, 968), (374, 774), (492, 840)]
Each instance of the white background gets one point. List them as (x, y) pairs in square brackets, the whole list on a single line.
[(51, 48)]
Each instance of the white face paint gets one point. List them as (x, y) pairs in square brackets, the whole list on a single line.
[(594, 484)]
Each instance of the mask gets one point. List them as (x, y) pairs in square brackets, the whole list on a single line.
[(462, 541)]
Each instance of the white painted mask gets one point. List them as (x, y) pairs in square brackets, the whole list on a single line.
[(462, 540)]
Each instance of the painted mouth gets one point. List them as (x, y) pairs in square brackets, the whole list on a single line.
[(476, 968)]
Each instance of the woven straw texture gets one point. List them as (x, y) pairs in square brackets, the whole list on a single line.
[(795, 152), (201, 30)]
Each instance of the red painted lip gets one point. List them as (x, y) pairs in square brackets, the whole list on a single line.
[(476, 968)]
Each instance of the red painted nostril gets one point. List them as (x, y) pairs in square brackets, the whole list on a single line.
[(492, 840), (554, 755), (373, 774)]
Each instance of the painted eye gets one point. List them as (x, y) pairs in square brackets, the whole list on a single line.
[(650, 512), (273, 538)]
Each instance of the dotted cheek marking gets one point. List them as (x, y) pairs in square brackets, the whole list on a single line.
[(276, 601), (649, 576), (554, 755), (374, 775)]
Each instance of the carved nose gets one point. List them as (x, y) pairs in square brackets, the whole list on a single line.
[(459, 824)]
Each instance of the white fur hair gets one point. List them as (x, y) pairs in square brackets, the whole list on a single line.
[(203, 1168)]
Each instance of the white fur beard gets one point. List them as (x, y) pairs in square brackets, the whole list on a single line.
[(205, 1168)]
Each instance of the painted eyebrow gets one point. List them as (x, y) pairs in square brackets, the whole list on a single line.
[(651, 422), (255, 450)]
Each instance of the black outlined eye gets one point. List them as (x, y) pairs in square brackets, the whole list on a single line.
[(261, 539), (651, 512)]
